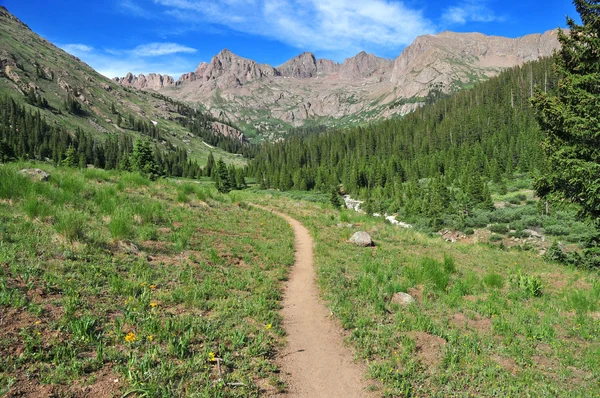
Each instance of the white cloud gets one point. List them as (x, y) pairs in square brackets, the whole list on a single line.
[(331, 25), (160, 58), (469, 11), (76, 49), (158, 49)]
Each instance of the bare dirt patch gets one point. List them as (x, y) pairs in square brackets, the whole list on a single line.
[(474, 322), (430, 349)]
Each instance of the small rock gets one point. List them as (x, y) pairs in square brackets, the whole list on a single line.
[(128, 247), (532, 233), (35, 174), (402, 298), (343, 225), (361, 239)]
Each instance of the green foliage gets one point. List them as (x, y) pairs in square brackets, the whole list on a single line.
[(494, 280), (142, 158), (529, 285), (435, 164), (570, 117), (335, 199)]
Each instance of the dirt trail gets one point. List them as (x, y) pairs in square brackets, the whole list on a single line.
[(315, 362)]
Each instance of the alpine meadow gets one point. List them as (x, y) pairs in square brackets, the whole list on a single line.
[(419, 226)]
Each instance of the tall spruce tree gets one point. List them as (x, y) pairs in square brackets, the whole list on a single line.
[(570, 118)]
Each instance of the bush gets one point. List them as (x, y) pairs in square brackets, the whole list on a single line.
[(557, 230), (495, 238), (499, 228), (513, 200), (469, 231), (530, 286)]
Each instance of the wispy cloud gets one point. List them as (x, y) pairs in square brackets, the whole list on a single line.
[(469, 11), (158, 49), (331, 25), (132, 8), (76, 49), (153, 57)]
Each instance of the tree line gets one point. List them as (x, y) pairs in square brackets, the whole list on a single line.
[(434, 161), (25, 134)]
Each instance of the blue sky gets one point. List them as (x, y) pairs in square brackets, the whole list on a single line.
[(174, 36)]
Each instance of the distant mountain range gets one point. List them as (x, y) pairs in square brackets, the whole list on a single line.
[(364, 87)]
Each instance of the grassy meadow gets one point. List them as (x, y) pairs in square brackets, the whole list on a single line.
[(112, 285), (489, 320)]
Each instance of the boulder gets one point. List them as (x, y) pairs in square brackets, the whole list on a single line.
[(361, 239), (403, 298), (35, 174)]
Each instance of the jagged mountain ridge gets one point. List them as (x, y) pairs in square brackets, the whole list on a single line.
[(361, 88)]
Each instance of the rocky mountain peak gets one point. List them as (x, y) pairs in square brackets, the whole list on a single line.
[(364, 65), (301, 67), (152, 81)]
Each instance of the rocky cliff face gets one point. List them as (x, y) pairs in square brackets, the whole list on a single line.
[(452, 59), (153, 81), (362, 87)]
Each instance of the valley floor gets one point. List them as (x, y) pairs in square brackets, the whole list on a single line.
[(111, 284)]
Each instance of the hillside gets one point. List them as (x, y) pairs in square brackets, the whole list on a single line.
[(70, 95), (306, 90)]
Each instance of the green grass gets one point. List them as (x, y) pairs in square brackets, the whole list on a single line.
[(489, 320), (107, 276)]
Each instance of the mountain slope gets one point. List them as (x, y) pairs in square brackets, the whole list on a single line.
[(70, 94), (362, 88)]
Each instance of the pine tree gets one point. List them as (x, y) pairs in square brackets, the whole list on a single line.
[(335, 199), (71, 158), (222, 179), (142, 158), (570, 118)]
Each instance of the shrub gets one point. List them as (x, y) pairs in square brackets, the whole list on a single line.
[(530, 286), (557, 230), (495, 238), (499, 228), (469, 231), (513, 200)]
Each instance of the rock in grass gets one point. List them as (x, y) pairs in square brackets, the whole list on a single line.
[(402, 298), (35, 174), (361, 239)]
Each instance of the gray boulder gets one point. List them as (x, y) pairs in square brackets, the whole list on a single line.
[(402, 298), (35, 174), (361, 239)]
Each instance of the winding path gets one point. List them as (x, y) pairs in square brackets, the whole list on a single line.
[(315, 362)]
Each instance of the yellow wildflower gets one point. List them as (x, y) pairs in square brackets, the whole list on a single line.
[(150, 337), (153, 286), (211, 356), (269, 326), (153, 304), (130, 338), (38, 322)]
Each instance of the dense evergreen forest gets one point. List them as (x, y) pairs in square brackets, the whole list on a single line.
[(198, 122), (435, 161), (24, 133)]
